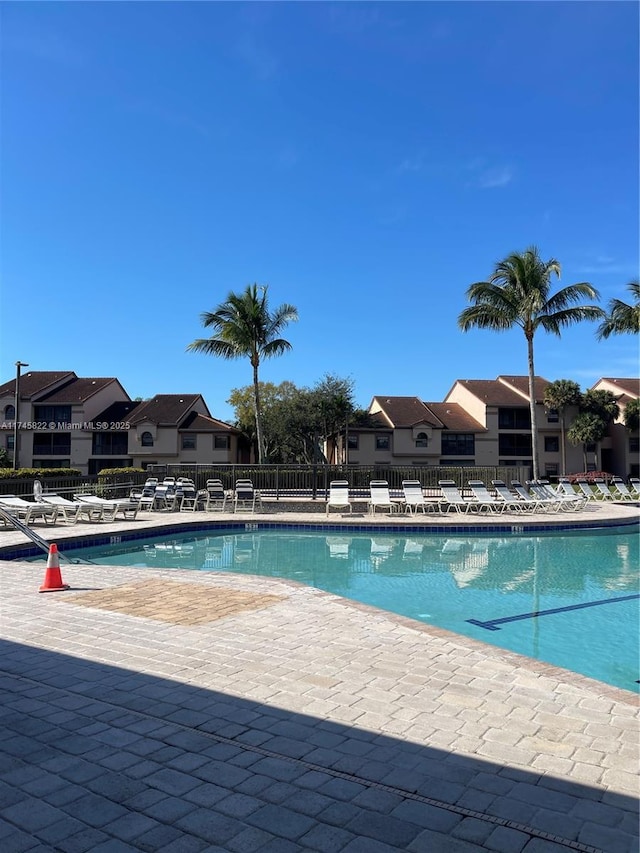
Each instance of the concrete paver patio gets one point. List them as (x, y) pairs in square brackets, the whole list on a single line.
[(168, 710)]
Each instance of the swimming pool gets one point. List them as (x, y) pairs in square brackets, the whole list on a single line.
[(570, 599)]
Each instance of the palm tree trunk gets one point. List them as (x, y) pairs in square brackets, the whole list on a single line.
[(563, 448), (532, 406), (256, 392)]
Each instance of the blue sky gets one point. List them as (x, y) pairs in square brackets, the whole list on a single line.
[(367, 161)]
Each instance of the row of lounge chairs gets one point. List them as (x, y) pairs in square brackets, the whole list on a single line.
[(536, 496), (180, 495), (51, 508)]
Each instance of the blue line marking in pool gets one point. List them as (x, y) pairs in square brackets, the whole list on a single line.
[(492, 624)]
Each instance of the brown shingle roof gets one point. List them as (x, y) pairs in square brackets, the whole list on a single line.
[(454, 418), (406, 411), (196, 422), (521, 384), (35, 382), (492, 392), (629, 388), (78, 390), (166, 409), (118, 412)]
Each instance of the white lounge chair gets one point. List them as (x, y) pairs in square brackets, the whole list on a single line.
[(587, 490), (486, 501), (512, 503), (452, 497), (245, 496), (27, 511), (540, 504), (379, 497), (214, 495), (110, 509), (569, 501), (414, 498), (603, 490), (338, 496), (70, 511), (622, 490), (634, 486)]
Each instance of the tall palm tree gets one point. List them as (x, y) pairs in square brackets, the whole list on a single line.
[(243, 326), (517, 293), (559, 395), (622, 318)]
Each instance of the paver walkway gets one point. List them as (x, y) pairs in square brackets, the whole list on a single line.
[(183, 711)]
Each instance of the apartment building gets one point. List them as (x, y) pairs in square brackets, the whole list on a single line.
[(484, 422), (66, 421)]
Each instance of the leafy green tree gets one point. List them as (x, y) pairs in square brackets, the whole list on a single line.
[(632, 415), (587, 428), (518, 293), (245, 327), (622, 318), (560, 395), (602, 403)]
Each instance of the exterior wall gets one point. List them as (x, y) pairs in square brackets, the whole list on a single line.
[(469, 402), (623, 443)]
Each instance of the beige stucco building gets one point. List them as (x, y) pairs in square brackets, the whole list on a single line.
[(65, 421)]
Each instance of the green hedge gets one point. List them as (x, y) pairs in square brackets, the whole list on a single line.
[(37, 473)]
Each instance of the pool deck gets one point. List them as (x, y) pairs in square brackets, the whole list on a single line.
[(178, 711)]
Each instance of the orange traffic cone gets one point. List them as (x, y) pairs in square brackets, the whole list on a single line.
[(53, 578)]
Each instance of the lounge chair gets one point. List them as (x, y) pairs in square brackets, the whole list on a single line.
[(540, 503), (338, 496), (622, 490), (186, 497), (214, 496), (414, 498), (634, 486), (70, 511), (512, 503), (486, 501), (587, 490), (245, 496), (568, 501), (603, 490), (452, 497), (379, 497), (110, 509), (27, 511)]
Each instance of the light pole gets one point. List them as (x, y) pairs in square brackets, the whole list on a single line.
[(16, 404)]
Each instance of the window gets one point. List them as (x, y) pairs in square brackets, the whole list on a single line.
[(458, 444), (52, 413), (422, 440), (109, 444), (97, 465), (221, 442), (9, 413), (51, 463), (189, 441), (10, 440), (514, 419), (382, 442), (551, 444), (514, 444), (550, 470), (552, 416), (52, 443), (146, 439), (353, 442), (634, 443)]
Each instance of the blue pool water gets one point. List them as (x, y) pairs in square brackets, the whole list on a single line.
[(584, 588)]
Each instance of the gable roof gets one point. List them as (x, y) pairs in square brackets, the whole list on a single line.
[(405, 412), (491, 392), (629, 388), (454, 418), (195, 422), (78, 390), (118, 412), (36, 382), (521, 385), (166, 409)]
